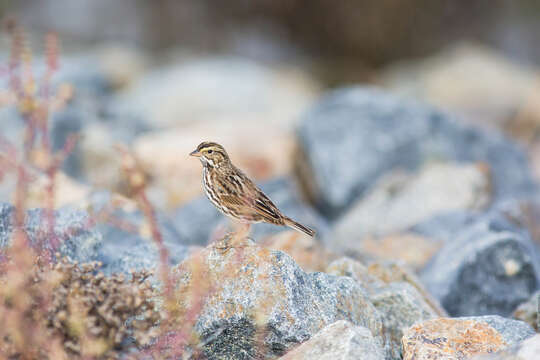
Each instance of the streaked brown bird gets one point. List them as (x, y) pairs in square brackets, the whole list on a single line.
[(234, 194)]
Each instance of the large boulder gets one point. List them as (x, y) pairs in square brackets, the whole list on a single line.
[(261, 303), (353, 136)]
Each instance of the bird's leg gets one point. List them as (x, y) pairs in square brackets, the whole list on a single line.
[(240, 235), (219, 233)]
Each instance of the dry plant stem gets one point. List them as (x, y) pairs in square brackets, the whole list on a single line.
[(150, 214)]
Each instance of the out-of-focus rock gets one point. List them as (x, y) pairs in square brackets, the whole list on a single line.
[(404, 201), (73, 234), (461, 338), (358, 271), (178, 177), (198, 220), (338, 341), (474, 81), (378, 275), (353, 136), (261, 295), (220, 89), (127, 237), (526, 350), (413, 249), (306, 251), (528, 311), (67, 191), (392, 272), (490, 267)]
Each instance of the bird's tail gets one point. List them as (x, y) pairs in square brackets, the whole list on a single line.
[(297, 226)]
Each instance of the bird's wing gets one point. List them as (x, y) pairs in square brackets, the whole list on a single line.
[(247, 199)]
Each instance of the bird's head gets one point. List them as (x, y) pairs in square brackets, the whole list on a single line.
[(211, 154)]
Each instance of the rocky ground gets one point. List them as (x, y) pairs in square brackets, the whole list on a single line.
[(427, 241)]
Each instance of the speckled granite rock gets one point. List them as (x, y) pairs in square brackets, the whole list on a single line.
[(379, 132), (263, 294), (338, 341), (461, 338), (490, 267), (73, 229)]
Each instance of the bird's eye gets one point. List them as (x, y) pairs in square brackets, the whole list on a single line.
[(210, 151)]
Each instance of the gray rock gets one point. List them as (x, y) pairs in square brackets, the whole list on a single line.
[(263, 303), (355, 135), (124, 249), (526, 350), (404, 200), (512, 331), (197, 220), (489, 267), (400, 306), (73, 230), (338, 341)]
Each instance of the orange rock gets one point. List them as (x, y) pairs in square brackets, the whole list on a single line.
[(450, 339)]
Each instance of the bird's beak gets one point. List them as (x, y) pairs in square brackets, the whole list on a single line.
[(195, 153)]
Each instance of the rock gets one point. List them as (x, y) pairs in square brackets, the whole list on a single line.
[(259, 294), (177, 177), (400, 306), (379, 275), (474, 81), (461, 338), (217, 89), (413, 249), (198, 219), (306, 251), (377, 132), (404, 201), (128, 244), (338, 341), (489, 267), (526, 350), (443, 228), (396, 293), (528, 311), (512, 331), (356, 270), (67, 190), (75, 236)]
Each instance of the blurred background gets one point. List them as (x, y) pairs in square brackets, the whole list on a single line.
[(164, 75)]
